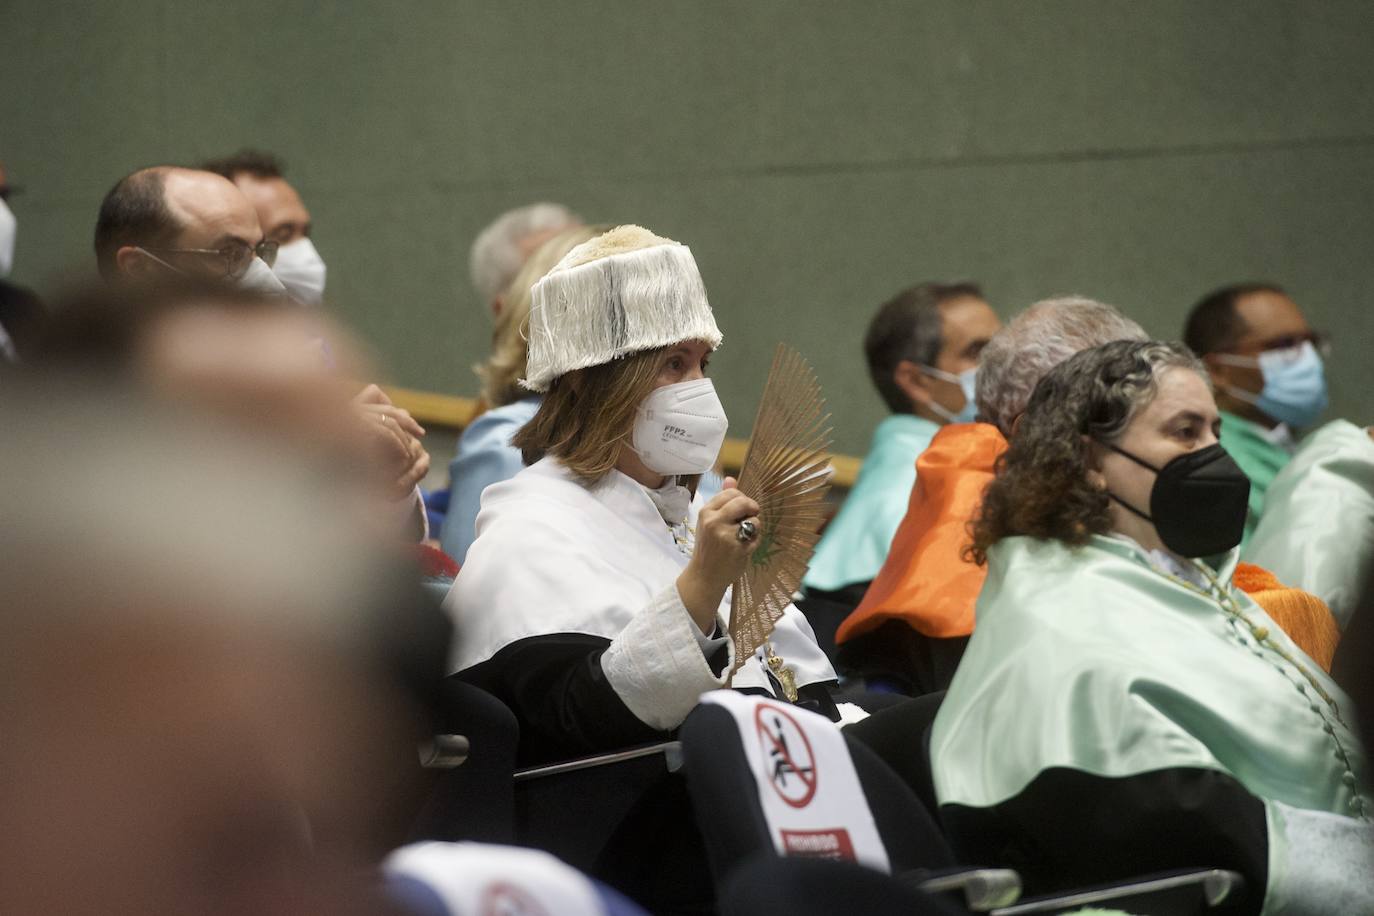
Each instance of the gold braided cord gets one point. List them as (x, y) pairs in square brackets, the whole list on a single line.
[(786, 471), (1261, 635)]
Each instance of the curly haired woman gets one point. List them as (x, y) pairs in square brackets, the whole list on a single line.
[(1122, 708)]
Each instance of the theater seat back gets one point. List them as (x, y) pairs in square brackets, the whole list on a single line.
[(728, 781)]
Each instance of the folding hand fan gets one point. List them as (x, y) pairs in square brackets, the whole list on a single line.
[(787, 471)]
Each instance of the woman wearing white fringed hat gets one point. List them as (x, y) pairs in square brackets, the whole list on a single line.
[(595, 599)]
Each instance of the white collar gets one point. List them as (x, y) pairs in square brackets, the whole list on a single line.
[(673, 501), (620, 494), (1281, 436), (1167, 562)]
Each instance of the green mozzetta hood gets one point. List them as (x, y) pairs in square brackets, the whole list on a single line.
[(1088, 658), (1317, 532)]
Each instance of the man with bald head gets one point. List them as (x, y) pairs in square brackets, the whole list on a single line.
[(167, 223), (168, 220), (284, 219)]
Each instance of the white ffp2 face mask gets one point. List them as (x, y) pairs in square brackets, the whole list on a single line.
[(8, 227), (258, 278), (301, 270), (679, 428)]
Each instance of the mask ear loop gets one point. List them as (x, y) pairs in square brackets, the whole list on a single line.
[(1245, 362), (1140, 461), (944, 413)]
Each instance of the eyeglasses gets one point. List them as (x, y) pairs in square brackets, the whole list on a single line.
[(1291, 344), (236, 257), (1286, 349)]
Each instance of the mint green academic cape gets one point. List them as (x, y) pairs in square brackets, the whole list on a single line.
[(856, 541), (1317, 532), (1090, 659)]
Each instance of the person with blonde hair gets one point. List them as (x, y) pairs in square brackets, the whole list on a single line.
[(485, 455), (595, 600)]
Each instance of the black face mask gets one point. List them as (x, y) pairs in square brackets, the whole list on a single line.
[(1198, 503)]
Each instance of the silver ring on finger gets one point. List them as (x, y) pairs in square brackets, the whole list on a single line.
[(747, 532)]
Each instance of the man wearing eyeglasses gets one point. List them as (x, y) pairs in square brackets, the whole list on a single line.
[(168, 220), (165, 221), (1266, 364), (284, 219)]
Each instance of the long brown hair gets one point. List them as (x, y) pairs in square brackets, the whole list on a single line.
[(585, 418)]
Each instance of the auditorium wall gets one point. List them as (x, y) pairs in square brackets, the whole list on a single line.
[(817, 156)]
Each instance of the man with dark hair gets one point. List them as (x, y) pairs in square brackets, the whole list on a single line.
[(1265, 362), (922, 348), (165, 220), (283, 217)]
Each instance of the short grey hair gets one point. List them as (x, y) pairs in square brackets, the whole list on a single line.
[(496, 257), (1036, 341)]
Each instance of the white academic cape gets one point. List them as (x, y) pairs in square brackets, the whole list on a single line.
[(554, 556)]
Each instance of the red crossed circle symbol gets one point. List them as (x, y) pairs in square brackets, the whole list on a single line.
[(787, 755)]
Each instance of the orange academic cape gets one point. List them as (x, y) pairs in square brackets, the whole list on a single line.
[(927, 584), (925, 581)]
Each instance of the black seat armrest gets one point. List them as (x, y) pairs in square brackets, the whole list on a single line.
[(1180, 893), (671, 751)]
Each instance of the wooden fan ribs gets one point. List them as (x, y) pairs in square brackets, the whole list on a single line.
[(786, 470)]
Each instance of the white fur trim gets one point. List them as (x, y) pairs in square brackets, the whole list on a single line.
[(590, 313), (656, 665)]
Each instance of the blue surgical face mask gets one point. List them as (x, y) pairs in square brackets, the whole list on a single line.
[(966, 381), (1294, 384)]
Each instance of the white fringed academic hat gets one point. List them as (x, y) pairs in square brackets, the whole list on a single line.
[(624, 291)]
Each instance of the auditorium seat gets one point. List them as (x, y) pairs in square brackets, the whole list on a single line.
[(729, 782)]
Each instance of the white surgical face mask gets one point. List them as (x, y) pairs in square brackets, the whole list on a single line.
[(679, 428), (301, 270), (258, 278), (8, 227)]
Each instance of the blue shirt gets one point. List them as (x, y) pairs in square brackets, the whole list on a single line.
[(856, 542), (485, 456)]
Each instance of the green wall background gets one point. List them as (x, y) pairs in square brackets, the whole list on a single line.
[(816, 156)]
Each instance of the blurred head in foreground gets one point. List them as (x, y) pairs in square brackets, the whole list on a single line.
[(195, 715), (280, 372)]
